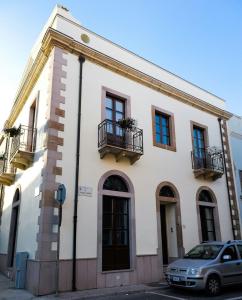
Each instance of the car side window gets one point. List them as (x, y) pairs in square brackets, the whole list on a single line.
[(240, 250), (230, 250)]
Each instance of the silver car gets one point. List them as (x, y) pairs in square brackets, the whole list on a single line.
[(208, 266)]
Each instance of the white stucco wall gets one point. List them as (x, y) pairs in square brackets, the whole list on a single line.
[(155, 166), (28, 180), (63, 21), (235, 128), (75, 30)]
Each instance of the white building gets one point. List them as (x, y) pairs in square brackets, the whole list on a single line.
[(235, 126), (137, 196)]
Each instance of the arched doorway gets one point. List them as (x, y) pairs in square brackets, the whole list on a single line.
[(207, 212), (13, 228), (116, 227), (170, 241)]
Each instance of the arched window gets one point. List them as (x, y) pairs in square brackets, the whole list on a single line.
[(117, 230), (170, 240), (115, 183), (205, 196), (207, 211), (166, 191)]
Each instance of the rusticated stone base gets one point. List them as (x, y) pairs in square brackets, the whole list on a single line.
[(41, 275)]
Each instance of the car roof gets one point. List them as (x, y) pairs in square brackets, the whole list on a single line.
[(222, 243), (214, 243)]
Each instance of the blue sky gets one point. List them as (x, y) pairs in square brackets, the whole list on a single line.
[(199, 40)]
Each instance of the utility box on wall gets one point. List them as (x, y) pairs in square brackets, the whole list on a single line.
[(21, 267)]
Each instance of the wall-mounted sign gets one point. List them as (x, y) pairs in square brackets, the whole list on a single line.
[(85, 191), (60, 195)]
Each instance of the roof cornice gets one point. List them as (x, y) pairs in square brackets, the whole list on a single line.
[(54, 38)]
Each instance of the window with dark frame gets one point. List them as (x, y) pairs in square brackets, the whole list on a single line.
[(207, 216), (166, 191), (205, 196), (114, 111), (115, 228), (207, 223), (198, 142), (162, 129), (163, 126), (115, 234), (12, 243)]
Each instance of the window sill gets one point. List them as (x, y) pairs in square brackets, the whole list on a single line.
[(117, 271), (166, 147)]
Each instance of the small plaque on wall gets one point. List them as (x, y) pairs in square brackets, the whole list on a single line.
[(85, 191)]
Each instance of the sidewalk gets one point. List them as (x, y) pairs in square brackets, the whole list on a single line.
[(8, 292)]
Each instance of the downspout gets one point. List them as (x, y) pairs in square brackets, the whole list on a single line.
[(226, 175), (78, 133)]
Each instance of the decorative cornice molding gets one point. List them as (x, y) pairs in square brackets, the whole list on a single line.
[(54, 38)]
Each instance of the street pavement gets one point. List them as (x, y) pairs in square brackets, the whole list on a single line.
[(159, 291), (166, 293)]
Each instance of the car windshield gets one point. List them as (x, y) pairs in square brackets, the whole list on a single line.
[(204, 252)]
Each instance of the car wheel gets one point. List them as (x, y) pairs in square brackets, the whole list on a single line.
[(213, 286)]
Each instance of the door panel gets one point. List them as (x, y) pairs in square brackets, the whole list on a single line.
[(232, 269), (115, 249), (163, 234)]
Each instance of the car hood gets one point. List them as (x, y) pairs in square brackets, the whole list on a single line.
[(190, 263)]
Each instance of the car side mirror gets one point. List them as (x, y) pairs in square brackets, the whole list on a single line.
[(226, 258)]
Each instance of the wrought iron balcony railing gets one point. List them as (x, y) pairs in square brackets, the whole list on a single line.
[(23, 147), (208, 162), (112, 138), (24, 140)]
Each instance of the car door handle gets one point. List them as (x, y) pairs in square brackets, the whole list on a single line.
[(238, 263)]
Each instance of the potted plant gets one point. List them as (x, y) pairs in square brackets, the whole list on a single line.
[(13, 131), (127, 123)]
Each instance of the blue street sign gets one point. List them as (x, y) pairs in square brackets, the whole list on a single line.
[(61, 194)]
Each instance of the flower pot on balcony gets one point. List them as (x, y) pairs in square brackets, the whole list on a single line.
[(12, 131), (128, 124)]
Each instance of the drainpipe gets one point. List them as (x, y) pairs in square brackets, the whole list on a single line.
[(226, 175), (78, 133)]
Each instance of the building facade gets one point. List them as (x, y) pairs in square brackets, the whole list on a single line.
[(235, 126), (140, 151)]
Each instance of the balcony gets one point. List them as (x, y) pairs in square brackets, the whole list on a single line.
[(7, 174), (119, 141), (23, 147), (208, 163)]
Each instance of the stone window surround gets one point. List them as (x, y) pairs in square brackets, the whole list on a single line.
[(176, 202), (172, 146), (215, 212), (125, 98), (132, 237)]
